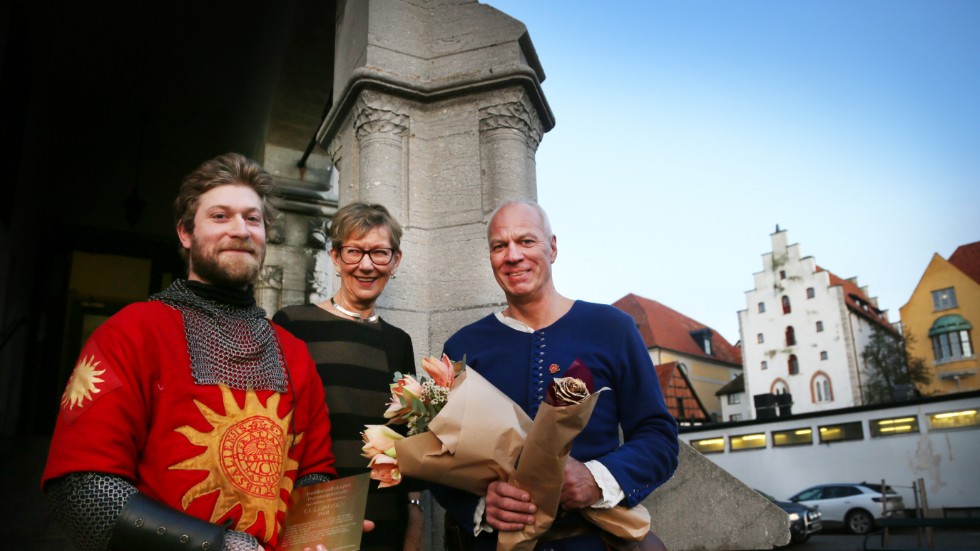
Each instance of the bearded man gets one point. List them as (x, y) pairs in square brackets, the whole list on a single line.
[(189, 418)]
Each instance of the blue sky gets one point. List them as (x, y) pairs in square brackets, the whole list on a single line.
[(687, 130)]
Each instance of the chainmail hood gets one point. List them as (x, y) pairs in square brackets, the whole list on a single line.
[(229, 343)]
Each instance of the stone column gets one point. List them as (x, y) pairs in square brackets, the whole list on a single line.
[(381, 124), (509, 137)]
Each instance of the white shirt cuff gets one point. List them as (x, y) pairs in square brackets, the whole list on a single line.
[(612, 493), (480, 525)]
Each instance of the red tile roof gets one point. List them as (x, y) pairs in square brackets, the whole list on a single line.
[(857, 301), (662, 327), (678, 394), (966, 258)]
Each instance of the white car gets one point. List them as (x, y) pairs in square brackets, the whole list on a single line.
[(855, 506)]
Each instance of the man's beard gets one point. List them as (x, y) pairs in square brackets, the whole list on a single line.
[(234, 271)]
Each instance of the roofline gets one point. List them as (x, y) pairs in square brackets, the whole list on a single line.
[(835, 412)]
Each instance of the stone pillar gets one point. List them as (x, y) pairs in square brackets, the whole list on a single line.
[(509, 137), (381, 124)]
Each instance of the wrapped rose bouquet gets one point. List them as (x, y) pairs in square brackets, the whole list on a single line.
[(470, 434)]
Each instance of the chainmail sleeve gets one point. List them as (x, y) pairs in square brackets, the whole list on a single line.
[(87, 506), (311, 479)]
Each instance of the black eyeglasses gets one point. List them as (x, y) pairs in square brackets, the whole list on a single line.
[(353, 255)]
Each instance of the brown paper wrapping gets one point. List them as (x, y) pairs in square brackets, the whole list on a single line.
[(628, 524), (474, 440), (541, 469), (478, 437)]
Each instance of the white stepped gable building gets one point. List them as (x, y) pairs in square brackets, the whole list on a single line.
[(803, 332)]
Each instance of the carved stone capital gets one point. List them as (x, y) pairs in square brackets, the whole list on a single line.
[(377, 114), (513, 115)]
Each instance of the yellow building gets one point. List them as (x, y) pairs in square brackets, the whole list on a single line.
[(940, 317)]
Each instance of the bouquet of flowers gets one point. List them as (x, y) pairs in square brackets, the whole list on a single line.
[(466, 444), (455, 441), (413, 403)]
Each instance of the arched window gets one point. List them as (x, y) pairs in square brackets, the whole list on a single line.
[(790, 335), (794, 365), (820, 389), (950, 336), (786, 307), (779, 386)]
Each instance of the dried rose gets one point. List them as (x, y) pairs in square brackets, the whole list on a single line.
[(579, 370), (566, 391)]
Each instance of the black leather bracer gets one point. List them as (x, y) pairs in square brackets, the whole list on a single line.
[(148, 525)]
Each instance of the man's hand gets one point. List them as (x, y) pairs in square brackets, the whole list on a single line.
[(579, 489), (508, 507)]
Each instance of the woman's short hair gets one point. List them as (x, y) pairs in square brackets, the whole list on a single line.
[(230, 168), (358, 218)]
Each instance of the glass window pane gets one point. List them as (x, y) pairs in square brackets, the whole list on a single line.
[(967, 345), (709, 445), (842, 432), (748, 441), (894, 426), (944, 342), (954, 419), (793, 437)]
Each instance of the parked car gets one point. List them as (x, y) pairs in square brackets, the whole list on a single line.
[(804, 521), (853, 505)]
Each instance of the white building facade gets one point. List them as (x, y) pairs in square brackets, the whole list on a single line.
[(803, 332), (936, 439)]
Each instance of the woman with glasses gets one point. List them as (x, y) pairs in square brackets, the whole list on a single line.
[(356, 354)]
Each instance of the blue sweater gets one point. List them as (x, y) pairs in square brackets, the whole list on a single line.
[(606, 339)]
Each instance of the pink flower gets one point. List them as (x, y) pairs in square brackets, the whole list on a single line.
[(385, 470), (404, 393), (442, 371), (379, 440)]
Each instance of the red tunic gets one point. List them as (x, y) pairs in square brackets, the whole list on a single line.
[(132, 409)]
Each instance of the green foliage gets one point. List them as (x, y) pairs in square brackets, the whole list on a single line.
[(888, 366)]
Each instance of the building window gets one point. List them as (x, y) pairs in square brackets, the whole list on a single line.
[(748, 441), (820, 389), (782, 274), (823, 354), (810, 292), (950, 336), (841, 432), (894, 426), (735, 417), (760, 339), (790, 336), (765, 365), (794, 365), (954, 420), (819, 327), (944, 299), (780, 387), (734, 399), (709, 445), (762, 307), (786, 307), (792, 437)]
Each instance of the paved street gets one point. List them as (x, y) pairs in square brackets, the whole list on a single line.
[(838, 540)]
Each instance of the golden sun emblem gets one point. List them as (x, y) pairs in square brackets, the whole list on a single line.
[(247, 458), (83, 383)]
